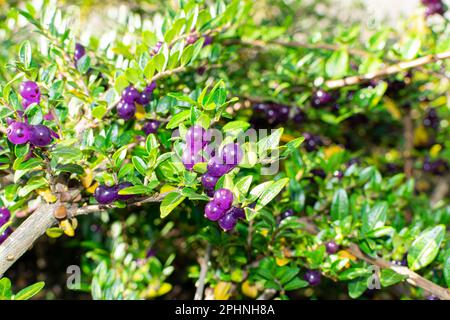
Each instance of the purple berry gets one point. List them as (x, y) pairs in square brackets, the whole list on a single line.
[(49, 117), (338, 174), (196, 138), (299, 116), (191, 39), (4, 216), (331, 247), (150, 253), (209, 192), (151, 127), (208, 41), (105, 195), (29, 90), (190, 159), (80, 51), (238, 213), (150, 87), (130, 94), (5, 235), (18, 132), (144, 98), (313, 277), (228, 222), (216, 167), (156, 48), (121, 186), (213, 212), (126, 110), (321, 98), (317, 172), (27, 102), (40, 136), (432, 297), (232, 154), (209, 181), (287, 213), (224, 198)]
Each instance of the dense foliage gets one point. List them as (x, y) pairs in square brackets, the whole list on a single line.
[(256, 148)]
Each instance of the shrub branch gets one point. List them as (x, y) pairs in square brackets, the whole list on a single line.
[(38, 222), (389, 70)]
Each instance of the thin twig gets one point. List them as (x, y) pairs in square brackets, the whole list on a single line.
[(408, 132), (389, 70), (203, 273), (413, 278)]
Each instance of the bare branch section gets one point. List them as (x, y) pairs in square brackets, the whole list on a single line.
[(390, 70), (413, 278), (203, 273), (37, 223)]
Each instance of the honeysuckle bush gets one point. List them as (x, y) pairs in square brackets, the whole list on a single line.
[(121, 133)]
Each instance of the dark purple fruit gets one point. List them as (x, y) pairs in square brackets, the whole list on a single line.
[(313, 277), (213, 212), (223, 198), (331, 247), (40, 136), (18, 132), (5, 215), (105, 195), (227, 222)]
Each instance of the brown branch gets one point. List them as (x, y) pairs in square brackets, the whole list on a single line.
[(408, 132), (203, 272), (389, 70), (412, 278), (42, 219)]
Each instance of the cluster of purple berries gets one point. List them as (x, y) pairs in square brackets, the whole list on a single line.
[(271, 113), (4, 218), (219, 164), (37, 135), (434, 7), (106, 195), (312, 142), (431, 119), (436, 167), (227, 159), (126, 107), (220, 209)]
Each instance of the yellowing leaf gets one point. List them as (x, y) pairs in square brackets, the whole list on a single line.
[(249, 290), (392, 108), (140, 112), (282, 261), (155, 291), (435, 150), (421, 137), (345, 254), (47, 194), (87, 178), (67, 228), (331, 150), (167, 188), (92, 188), (222, 291)]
